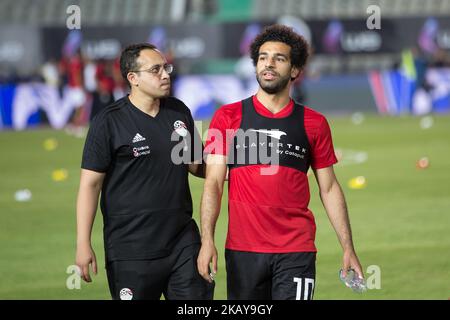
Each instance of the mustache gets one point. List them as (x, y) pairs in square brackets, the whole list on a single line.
[(269, 70)]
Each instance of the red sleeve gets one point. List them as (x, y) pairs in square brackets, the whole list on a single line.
[(319, 136), (225, 122)]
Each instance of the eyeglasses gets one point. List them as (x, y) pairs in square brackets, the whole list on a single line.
[(157, 69)]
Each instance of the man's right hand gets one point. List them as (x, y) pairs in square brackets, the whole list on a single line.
[(207, 255), (85, 257)]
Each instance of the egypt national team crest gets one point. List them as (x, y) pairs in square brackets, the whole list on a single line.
[(180, 128), (126, 294)]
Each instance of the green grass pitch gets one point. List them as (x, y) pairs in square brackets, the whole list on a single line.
[(400, 220)]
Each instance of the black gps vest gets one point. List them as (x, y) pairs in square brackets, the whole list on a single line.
[(272, 141)]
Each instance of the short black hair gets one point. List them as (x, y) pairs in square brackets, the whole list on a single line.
[(128, 58), (281, 33)]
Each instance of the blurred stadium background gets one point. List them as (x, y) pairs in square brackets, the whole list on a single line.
[(386, 93)]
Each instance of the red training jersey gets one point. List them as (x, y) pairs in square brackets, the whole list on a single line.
[(269, 213)]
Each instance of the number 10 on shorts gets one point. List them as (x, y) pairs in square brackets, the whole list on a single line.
[(305, 286)]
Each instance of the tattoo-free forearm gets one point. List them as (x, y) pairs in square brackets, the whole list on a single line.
[(87, 202), (334, 202), (210, 208)]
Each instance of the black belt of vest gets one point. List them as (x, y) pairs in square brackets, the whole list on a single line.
[(274, 141)]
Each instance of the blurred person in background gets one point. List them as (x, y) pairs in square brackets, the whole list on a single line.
[(103, 95), (151, 240), (441, 59), (270, 248), (50, 73), (120, 85), (72, 68)]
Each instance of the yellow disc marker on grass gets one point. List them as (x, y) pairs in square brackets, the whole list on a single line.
[(60, 175), (359, 182), (50, 144)]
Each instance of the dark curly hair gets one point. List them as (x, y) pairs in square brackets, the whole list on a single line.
[(287, 35)]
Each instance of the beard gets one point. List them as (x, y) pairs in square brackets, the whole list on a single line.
[(274, 86)]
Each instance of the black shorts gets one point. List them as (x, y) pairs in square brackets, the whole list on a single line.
[(175, 276), (270, 276)]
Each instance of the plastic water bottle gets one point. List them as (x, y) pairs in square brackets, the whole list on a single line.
[(353, 281)]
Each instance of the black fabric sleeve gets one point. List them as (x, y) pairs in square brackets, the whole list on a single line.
[(97, 151)]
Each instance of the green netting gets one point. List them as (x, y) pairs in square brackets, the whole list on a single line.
[(233, 10)]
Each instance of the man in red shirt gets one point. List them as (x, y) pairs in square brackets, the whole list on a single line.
[(269, 142)]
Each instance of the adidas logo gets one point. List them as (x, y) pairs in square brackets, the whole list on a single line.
[(138, 138)]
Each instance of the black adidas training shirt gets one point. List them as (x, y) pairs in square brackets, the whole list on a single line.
[(146, 200)]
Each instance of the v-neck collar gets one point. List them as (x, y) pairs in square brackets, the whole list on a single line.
[(265, 112), (139, 111)]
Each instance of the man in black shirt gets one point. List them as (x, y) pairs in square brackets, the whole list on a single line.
[(138, 154)]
